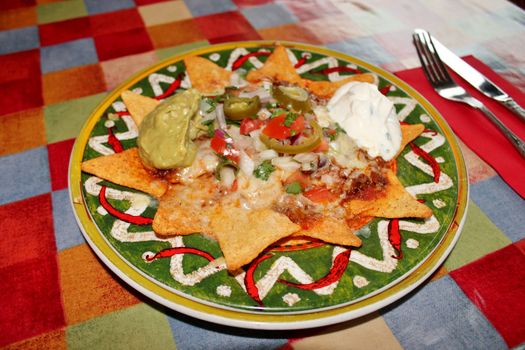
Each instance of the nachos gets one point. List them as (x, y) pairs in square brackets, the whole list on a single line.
[(271, 157)]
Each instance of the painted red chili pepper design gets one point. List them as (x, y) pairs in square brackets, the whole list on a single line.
[(137, 220), (429, 159), (240, 61), (394, 237), (300, 62), (346, 69), (122, 113), (249, 281), (386, 89), (114, 142), (167, 253), (171, 89), (335, 273)]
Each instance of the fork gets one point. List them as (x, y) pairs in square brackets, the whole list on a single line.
[(446, 87)]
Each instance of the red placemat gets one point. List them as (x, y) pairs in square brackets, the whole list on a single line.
[(473, 128)]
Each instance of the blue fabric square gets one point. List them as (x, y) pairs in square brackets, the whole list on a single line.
[(101, 6), (270, 15), (502, 205), (206, 7), (67, 232), (440, 316), (19, 40), (212, 336), (24, 175), (365, 48), (70, 54)]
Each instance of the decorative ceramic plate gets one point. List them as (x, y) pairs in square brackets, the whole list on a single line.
[(374, 275)]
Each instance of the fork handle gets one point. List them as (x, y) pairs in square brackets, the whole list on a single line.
[(515, 140), (514, 107)]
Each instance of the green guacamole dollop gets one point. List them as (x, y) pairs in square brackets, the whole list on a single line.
[(166, 134)]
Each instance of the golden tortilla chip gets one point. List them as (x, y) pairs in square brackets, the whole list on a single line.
[(326, 89), (409, 132), (277, 67), (243, 234), (331, 230), (186, 209), (138, 106), (395, 203), (126, 169), (206, 76)]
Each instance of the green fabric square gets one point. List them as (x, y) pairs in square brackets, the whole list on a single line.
[(59, 11), (478, 238), (65, 120), (137, 327), (175, 50)]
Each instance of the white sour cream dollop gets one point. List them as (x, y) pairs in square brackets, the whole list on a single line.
[(368, 117)]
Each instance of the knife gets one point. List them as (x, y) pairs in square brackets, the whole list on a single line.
[(476, 79)]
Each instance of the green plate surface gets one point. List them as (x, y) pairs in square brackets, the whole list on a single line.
[(197, 286)]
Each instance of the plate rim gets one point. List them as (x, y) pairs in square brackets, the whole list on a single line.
[(268, 321)]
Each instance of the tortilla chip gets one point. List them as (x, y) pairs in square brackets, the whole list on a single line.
[(243, 234), (395, 203), (138, 106), (409, 132), (277, 67), (126, 169), (331, 230), (206, 76), (182, 209), (326, 89)]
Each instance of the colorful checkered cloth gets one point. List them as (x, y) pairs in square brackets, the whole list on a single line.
[(58, 59)]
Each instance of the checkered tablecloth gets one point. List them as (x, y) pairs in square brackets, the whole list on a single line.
[(58, 59)]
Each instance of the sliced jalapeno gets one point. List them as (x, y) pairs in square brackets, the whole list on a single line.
[(238, 108), (309, 143), (292, 97)]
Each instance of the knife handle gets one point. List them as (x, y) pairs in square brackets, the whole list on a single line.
[(514, 107), (513, 138)]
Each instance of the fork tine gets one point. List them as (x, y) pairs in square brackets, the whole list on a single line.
[(423, 58), (429, 56), (440, 67)]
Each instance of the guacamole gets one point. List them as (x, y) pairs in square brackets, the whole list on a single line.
[(166, 134)]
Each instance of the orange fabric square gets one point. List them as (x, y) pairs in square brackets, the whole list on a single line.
[(187, 31), (17, 18), (73, 83), (291, 32), (21, 131), (55, 340), (80, 268)]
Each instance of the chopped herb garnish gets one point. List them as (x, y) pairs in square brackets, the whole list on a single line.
[(271, 105), (211, 127), (264, 170), (223, 161), (277, 113), (290, 118), (294, 188), (338, 128)]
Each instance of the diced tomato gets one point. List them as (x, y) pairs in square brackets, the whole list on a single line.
[(248, 125), (320, 195), (223, 145), (300, 177), (323, 146), (278, 130)]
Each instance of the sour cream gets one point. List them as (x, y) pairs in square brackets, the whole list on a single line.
[(368, 117)]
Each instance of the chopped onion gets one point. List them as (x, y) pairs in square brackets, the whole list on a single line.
[(306, 157), (285, 163), (259, 146), (246, 164), (309, 166), (227, 176), (268, 154), (221, 118), (327, 179)]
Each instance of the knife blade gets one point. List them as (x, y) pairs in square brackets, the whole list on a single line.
[(476, 79)]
